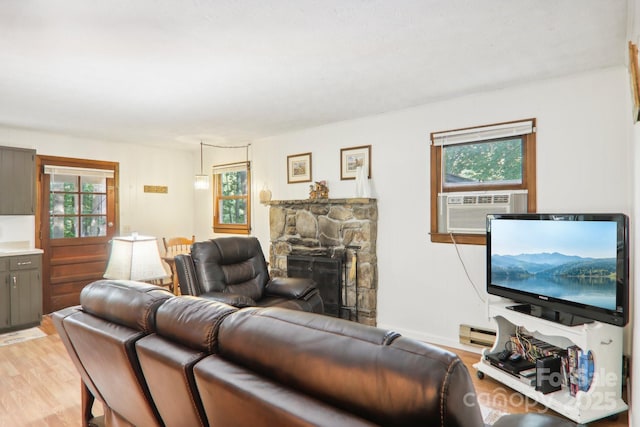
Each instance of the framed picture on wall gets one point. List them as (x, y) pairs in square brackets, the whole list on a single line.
[(634, 75), (351, 158), (299, 168)]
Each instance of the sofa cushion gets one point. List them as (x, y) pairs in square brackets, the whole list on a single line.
[(290, 287), (192, 321), (186, 331), (234, 396), (370, 372), (124, 302)]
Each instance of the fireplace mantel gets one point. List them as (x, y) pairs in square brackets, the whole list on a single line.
[(345, 228), (350, 201)]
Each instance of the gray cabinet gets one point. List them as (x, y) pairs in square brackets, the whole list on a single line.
[(5, 294), (20, 291), (17, 181)]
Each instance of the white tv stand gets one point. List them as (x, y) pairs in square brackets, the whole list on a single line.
[(604, 397)]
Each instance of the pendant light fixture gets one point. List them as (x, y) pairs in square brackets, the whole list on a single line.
[(202, 180)]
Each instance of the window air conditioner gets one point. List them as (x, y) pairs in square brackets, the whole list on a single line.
[(467, 212)]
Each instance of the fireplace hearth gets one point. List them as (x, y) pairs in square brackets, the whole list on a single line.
[(332, 241)]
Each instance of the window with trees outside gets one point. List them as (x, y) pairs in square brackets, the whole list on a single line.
[(78, 205), (483, 165), (232, 198)]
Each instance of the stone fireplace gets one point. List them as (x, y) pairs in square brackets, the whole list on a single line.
[(344, 229)]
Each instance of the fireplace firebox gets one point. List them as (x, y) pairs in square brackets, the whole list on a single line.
[(326, 272)]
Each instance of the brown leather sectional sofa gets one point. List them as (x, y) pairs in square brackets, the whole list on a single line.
[(154, 359)]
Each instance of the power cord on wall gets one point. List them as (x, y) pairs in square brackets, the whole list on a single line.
[(455, 245), (464, 267)]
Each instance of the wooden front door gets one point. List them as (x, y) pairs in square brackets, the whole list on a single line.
[(75, 220)]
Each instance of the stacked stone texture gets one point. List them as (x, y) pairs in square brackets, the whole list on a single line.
[(327, 227)]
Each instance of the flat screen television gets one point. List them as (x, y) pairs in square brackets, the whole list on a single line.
[(568, 268)]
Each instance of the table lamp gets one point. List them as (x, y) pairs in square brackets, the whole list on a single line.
[(135, 258)]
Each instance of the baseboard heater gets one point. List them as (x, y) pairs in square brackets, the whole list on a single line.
[(476, 336)]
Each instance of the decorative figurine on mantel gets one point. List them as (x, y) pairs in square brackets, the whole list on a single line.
[(319, 190)]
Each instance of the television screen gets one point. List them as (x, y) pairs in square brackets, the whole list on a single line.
[(568, 263)]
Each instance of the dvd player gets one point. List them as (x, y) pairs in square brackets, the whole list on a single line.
[(510, 366)]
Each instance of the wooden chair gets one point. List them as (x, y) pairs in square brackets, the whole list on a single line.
[(175, 246)]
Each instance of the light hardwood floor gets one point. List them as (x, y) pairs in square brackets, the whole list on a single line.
[(39, 386)]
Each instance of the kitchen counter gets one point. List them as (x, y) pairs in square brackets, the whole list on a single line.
[(18, 252)]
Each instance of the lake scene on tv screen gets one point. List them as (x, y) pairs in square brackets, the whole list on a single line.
[(568, 260)]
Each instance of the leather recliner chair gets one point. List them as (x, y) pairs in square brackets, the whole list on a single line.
[(233, 270)]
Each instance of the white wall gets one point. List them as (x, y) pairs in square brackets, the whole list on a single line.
[(583, 165), (634, 415), (152, 214)]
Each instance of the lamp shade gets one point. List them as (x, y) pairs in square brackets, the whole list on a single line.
[(134, 258), (201, 182)]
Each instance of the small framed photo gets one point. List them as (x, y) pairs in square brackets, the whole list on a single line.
[(299, 168), (351, 158)]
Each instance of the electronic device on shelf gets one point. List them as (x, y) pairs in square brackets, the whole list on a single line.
[(568, 268), (513, 367), (531, 372), (504, 355)]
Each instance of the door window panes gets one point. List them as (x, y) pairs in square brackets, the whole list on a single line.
[(64, 183), (94, 204), (92, 184), (63, 227), (64, 203), (77, 206), (93, 226)]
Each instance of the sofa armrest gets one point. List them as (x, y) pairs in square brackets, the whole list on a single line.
[(290, 287), (235, 300)]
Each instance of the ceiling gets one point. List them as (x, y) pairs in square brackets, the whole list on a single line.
[(228, 71)]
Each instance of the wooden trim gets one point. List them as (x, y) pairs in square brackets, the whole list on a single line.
[(436, 174), (529, 180), (464, 239), (41, 160), (530, 177), (634, 81), (231, 228), (42, 206)]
